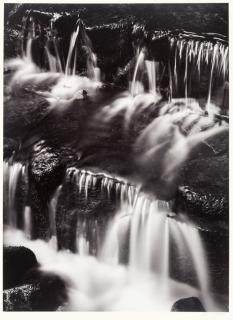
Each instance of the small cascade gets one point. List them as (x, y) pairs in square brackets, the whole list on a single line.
[(93, 71), (15, 190), (28, 55), (73, 40), (153, 73), (208, 106), (198, 59), (52, 211), (142, 229), (147, 277), (120, 249), (151, 233), (111, 186), (87, 235), (12, 175), (54, 61), (27, 221), (136, 86)]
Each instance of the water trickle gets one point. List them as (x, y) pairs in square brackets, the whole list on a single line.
[(186, 72), (153, 73), (29, 50), (73, 40), (54, 61), (12, 174), (136, 86), (27, 222), (200, 60), (52, 207), (109, 185), (214, 58)]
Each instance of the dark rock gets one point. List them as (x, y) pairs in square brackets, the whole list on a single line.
[(75, 209), (45, 174), (43, 292), (52, 291), (17, 261), (18, 298), (204, 182), (21, 115), (201, 202), (10, 147), (191, 304)]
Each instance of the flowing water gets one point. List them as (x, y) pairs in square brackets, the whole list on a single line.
[(12, 174), (200, 59), (145, 283), (71, 49), (131, 269)]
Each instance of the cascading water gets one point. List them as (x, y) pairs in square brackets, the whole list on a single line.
[(148, 270), (131, 269), (136, 86), (195, 56), (12, 174), (73, 40)]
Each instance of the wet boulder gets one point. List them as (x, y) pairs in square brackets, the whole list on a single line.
[(45, 174), (51, 293), (17, 261), (83, 209), (191, 304), (21, 115), (42, 292), (10, 146), (17, 298)]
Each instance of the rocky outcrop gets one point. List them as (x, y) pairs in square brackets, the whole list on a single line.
[(43, 292), (17, 261), (205, 179)]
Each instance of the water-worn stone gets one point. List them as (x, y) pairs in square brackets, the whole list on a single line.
[(75, 209), (10, 146), (21, 115), (191, 304), (17, 261), (42, 292), (18, 298)]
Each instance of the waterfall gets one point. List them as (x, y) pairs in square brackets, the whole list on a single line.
[(52, 211), (54, 61), (151, 231), (93, 71), (152, 68), (29, 50), (73, 39), (27, 221), (199, 59), (146, 283), (12, 174), (15, 175), (121, 260), (211, 77), (87, 180), (136, 86)]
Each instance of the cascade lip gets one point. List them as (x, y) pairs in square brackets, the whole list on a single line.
[(198, 222), (101, 175)]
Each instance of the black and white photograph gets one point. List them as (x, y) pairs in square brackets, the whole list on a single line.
[(115, 157)]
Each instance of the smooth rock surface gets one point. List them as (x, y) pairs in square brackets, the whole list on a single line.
[(42, 292), (188, 305), (17, 261)]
